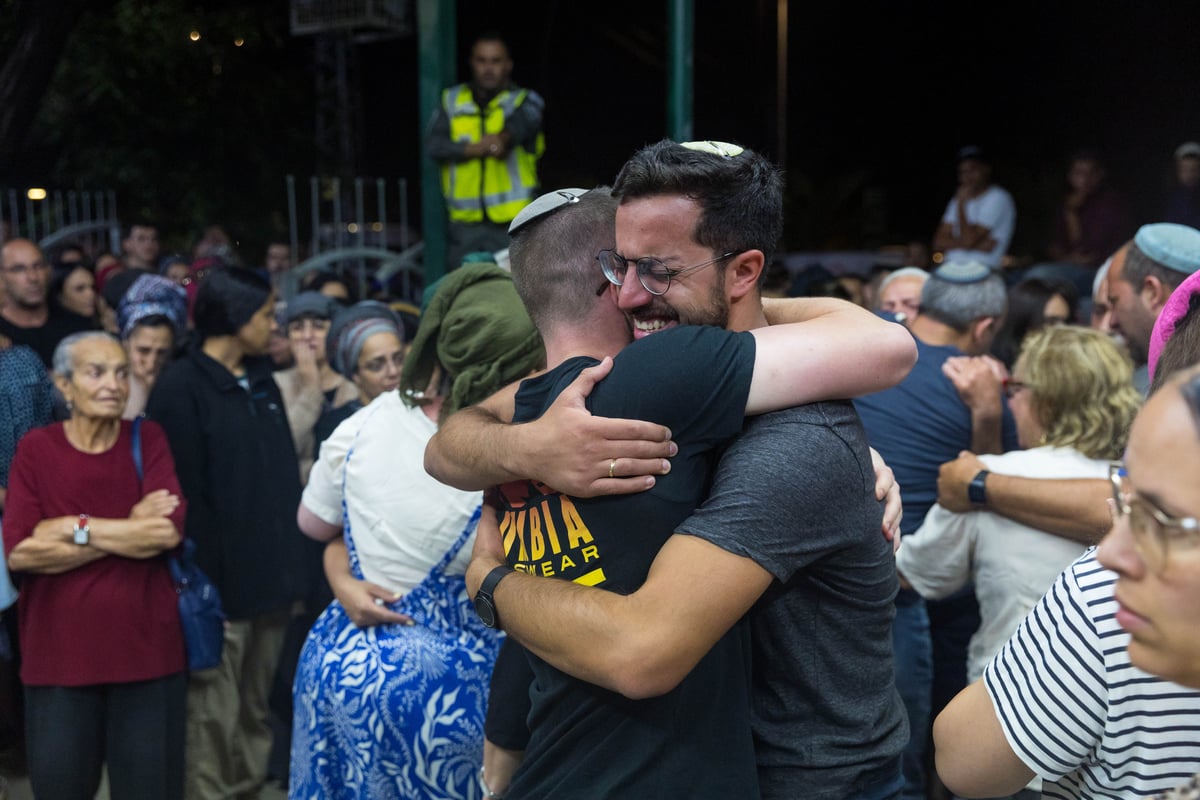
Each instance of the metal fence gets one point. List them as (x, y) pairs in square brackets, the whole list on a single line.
[(348, 227), (55, 218)]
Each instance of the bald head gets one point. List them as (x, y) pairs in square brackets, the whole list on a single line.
[(25, 274)]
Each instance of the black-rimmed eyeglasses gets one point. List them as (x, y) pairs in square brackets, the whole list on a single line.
[(654, 275)]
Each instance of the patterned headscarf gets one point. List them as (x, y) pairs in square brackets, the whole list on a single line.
[(148, 296), (352, 327)]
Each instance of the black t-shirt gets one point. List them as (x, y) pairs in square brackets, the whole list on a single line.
[(44, 338), (585, 741)]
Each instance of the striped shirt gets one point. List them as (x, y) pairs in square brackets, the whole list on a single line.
[(1077, 712)]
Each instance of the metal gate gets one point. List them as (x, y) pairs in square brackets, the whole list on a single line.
[(349, 229), (58, 217)]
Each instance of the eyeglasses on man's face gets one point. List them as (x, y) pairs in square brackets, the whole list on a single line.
[(1155, 533), (654, 275)]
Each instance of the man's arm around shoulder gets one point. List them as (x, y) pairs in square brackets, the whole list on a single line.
[(825, 349), (640, 645), (566, 447)]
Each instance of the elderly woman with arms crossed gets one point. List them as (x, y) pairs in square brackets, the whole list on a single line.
[(100, 631)]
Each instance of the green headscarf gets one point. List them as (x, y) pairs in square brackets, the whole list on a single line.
[(476, 327)]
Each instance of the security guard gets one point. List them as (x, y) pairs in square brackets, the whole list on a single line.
[(487, 136)]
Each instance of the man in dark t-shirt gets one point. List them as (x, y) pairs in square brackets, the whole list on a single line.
[(27, 316), (621, 640)]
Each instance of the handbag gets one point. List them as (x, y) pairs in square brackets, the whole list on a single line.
[(200, 610)]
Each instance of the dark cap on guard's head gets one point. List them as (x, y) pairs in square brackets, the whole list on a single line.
[(973, 152)]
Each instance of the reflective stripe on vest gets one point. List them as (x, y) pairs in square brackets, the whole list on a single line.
[(497, 188)]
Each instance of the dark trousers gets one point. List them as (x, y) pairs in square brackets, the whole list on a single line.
[(137, 729)]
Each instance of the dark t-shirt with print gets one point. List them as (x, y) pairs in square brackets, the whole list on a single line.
[(585, 741)]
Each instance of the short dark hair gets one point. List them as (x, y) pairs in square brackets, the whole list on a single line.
[(491, 36), (322, 278), (553, 259), (740, 196), (127, 228), (1092, 154), (1138, 266), (227, 299)]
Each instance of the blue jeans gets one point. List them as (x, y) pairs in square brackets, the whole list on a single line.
[(914, 681)]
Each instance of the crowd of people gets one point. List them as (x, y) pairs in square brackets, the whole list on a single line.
[(610, 522)]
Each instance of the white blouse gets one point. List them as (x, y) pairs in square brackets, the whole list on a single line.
[(402, 520)]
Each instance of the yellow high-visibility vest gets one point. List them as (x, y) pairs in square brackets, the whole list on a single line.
[(487, 188)]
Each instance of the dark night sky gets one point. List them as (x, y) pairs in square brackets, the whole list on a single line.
[(880, 97)]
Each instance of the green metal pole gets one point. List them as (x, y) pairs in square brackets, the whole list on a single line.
[(679, 79), (436, 56)]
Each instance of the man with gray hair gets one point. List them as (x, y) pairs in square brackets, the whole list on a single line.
[(947, 404), (900, 293)]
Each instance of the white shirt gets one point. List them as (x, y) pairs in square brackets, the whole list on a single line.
[(994, 210), (1012, 564), (402, 521)]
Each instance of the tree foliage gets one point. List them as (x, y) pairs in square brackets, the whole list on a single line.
[(186, 132)]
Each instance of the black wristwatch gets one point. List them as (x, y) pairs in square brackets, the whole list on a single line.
[(977, 489), (485, 606)]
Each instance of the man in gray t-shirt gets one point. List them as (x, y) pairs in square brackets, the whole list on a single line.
[(794, 493)]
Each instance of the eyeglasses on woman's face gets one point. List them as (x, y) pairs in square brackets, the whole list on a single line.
[(1156, 534)]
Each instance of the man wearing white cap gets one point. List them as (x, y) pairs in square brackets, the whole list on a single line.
[(1161, 256)]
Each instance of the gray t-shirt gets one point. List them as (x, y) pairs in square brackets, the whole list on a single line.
[(795, 493)]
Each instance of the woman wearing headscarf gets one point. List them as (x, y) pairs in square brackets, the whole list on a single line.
[(365, 345), (233, 450), (396, 710), (99, 622), (152, 317)]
